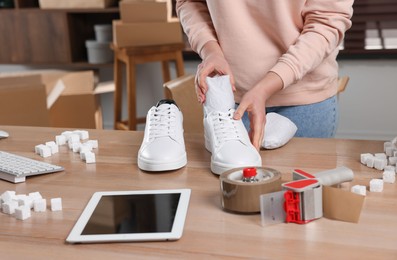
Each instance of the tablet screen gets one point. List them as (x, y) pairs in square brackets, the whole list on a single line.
[(142, 213)]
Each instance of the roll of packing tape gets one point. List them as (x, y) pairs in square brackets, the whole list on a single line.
[(243, 197)]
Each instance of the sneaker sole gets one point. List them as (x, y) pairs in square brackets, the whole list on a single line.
[(158, 167), (219, 168)]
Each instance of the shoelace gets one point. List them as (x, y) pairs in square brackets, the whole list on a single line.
[(225, 127), (162, 122)]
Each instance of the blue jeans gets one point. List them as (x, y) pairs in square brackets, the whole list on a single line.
[(318, 120)]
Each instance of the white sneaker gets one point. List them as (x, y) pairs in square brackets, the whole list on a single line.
[(228, 141), (163, 146)]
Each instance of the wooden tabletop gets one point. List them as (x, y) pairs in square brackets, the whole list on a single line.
[(210, 232)]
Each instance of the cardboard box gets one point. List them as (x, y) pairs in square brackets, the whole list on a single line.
[(23, 101), (50, 98), (145, 34), (145, 11), (65, 4)]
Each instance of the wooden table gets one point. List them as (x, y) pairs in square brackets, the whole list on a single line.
[(210, 232)]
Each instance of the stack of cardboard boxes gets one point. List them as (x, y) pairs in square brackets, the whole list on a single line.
[(146, 23)]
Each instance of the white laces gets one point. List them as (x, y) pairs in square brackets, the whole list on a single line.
[(225, 127), (162, 122)]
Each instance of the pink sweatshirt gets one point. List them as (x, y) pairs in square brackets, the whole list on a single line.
[(297, 39)]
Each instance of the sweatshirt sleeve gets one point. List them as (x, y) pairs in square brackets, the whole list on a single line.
[(196, 22), (325, 23)]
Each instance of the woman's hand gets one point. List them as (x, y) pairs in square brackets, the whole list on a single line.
[(254, 102), (214, 63)]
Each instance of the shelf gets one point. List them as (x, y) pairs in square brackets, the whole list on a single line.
[(49, 36)]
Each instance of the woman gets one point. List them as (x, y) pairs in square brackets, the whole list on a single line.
[(280, 55)]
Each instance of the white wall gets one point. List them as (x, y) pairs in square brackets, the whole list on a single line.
[(367, 107)]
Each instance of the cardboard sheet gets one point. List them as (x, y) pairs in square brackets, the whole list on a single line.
[(342, 205)]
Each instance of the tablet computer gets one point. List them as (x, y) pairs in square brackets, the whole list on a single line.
[(127, 216)]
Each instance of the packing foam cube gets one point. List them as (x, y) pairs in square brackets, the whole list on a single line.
[(359, 189), (93, 143), (60, 139), (56, 204), (73, 138), (386, 144), (89, 157), (7, 196), (394, 142), (392, 160), (364, 157), (35, 195), (85, 148), (45, 151), (26, 201), (380, 163), (380, 155), (40, 205), (84, 135), (38, 148), (389, 177), (376, 185), (390, 150), (76, 147), (9, 207), (370, 161), (53, 146), (22, 212)]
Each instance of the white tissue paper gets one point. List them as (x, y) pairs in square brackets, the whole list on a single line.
[(278, 131), (219, 96)]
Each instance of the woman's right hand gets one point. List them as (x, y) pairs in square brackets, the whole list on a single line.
[(213, 63)]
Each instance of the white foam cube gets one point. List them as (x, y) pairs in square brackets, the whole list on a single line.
[(389, 177), (40, 205), (93, 143), (359, 189), (56, 204), (35, 195), (380, 155), (38, 148), (60, 139), (386, 144), (84, 135), (22, 212), (89, 157), (370, 161), (376, 185), (45, 151), (76, 147), (85, 148), (364, 157), (390, 150), (73, 138), (26, 201), (53, 146), (392, 160), (394, 142), (8, 196), (9, 207), (390, 168), (380, 163)]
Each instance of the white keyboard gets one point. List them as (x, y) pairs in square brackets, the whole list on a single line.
[(14, 168)]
